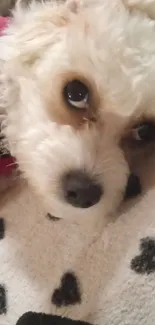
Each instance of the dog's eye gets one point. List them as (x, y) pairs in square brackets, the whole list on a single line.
[(76, 94), (144, 132)]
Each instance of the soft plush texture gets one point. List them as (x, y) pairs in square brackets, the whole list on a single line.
[(56, 267), (32, 318)]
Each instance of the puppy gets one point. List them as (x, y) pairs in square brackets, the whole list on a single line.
[(76, 81)]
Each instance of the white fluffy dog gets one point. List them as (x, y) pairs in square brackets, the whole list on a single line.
[(77, 80)]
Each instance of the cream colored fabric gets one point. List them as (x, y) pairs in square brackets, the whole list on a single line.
[(36, 252)]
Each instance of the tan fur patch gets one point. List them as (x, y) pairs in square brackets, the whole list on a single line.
[(58, 109)]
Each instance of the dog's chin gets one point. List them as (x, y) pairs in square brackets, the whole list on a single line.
[(94, 218), (87, 221)]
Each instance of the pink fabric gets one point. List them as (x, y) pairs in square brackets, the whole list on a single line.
[(3, 24), (7, 164)]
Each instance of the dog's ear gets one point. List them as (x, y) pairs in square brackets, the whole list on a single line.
[(145, 6), (33, 35)]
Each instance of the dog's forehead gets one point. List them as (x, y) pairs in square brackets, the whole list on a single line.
[(117, 51), (105, 44)]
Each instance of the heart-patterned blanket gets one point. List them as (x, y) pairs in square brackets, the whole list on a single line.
[(55, 267)]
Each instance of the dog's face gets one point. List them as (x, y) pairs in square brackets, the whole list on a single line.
[(74, 77)]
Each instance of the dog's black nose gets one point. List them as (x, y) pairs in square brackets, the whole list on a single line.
[(80, 190)]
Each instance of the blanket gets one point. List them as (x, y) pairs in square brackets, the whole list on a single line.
[(55, 267)]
